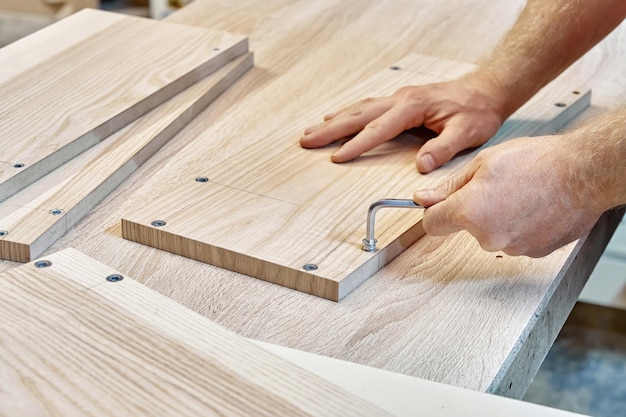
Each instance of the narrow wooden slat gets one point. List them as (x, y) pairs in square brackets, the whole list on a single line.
[(27, 219), (67, 103), (75, 344), (273, 208)]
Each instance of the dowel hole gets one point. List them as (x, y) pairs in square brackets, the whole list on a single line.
[(560, 104), (56, 212), (576, 92), (4, 233), (18, 165), (394, 68)]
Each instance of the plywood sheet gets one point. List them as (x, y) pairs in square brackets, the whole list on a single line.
[(273, 208), (75, 344), (33, 219), (70, 101)]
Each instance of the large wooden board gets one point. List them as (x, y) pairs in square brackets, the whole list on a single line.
[(75, 344), (273, 209), (31, 220), (70, 101)]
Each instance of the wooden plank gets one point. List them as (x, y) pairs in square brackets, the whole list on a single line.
[(272, 209), (75, 344), (33, 219), (72, 100)]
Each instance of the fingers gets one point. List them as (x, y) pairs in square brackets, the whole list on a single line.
[(386, 127), (453, 139), (443, 215), (344, 123)]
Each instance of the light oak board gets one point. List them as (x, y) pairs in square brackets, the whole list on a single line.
[(31, 220), (75, 344), (70, 101), (273, 209)]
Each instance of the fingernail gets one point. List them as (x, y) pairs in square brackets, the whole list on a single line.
[(422, 195), (428, 162)]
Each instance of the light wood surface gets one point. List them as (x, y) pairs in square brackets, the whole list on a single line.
[(272, 222), (67, 103), (444, 310), (28, 222), (75, 344)]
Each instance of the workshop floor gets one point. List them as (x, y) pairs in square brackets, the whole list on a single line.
[(584, 372)]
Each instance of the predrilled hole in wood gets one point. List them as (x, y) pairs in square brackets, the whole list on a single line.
[(309, 267), (114, 278), (43, 264), (4, 233), (560, 104), (202, 179), (216, 49), (18, 165), (158, 223), (576, 92), (394, 68), (499, 256), (56, 212)]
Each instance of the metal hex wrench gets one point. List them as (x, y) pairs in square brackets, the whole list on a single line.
[(369, 243)]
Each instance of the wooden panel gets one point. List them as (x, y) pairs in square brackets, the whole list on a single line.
[(75, 344), (75, 98), (34, 218), (272, 208)]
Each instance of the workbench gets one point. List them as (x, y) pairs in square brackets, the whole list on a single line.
[(444, 310)]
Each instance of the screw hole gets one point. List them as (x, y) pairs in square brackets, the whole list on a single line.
[(56, 212), (560, 104), (158, 223), (216, 49), (394, 68), (576, 92), (499, 256), (43, 264), (309, 267), (202, 179), (114, 278), (18, 165), (3, 233)]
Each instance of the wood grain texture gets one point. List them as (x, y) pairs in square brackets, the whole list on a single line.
[(443, 310), (27, 219), (74, 344), (269, 221), (70, 101)]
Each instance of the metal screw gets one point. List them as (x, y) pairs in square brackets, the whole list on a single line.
[(560, 104), (309, 267), (394, 68), (158, 223), (202, 179), (3, 233), (114, 278), (18, 165), (56, 212), (43, 264)]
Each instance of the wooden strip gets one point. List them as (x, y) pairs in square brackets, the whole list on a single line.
[(273, 208), (28, 223), (72, 100), (75, 344)]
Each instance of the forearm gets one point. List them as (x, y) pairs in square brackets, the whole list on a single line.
[(547, 38), (600, 147)]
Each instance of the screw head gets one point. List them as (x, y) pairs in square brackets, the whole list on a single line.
[(309, 267), (202, 179), (43, 264), (56, 212), (114, 278), (158, 223), (3, 233)]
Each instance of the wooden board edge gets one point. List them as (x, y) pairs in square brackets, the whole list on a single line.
[(28, 175), (245, 264), (11, 249)]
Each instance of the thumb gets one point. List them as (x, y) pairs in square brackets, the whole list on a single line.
[(432, 196)]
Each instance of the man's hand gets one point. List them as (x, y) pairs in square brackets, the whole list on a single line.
[(528, 196), (464, 113)]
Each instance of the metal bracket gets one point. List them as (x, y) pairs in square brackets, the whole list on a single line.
[(369, 243)]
